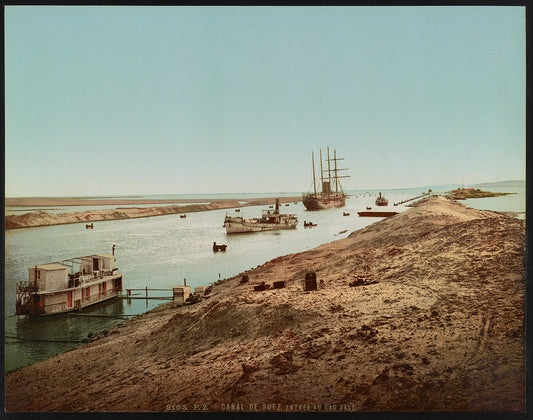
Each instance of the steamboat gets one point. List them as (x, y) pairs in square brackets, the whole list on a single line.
[(68, 285), (327, 198), (381, 201), (269, 220)]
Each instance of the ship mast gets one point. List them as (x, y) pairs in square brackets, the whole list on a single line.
[(336, 171), (335, 159), (314, 180), (329, 169), (321, 172)]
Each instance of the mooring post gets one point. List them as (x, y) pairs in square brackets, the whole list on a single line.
[(185, 282), (146, 292)]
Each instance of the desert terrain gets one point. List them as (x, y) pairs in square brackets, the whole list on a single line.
[(45, 218), (422, 311)]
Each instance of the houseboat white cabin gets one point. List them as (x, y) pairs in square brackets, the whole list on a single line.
[(68, 285)]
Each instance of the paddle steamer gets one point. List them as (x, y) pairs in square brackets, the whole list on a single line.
[(68, 285)]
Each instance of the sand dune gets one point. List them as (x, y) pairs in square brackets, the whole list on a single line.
[(436, 324), (44, 218)]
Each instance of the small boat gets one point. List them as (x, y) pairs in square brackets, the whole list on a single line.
[(217, 248), (68, 285), (327, 198), (309, 224), (381, 201), (345, 213), (237, 210), (89, 226), (183, 216), (369, 208), (269, 220)]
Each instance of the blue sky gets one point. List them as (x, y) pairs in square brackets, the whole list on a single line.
[(170, 100)]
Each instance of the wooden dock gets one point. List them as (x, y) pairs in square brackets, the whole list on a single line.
[(145, 294)]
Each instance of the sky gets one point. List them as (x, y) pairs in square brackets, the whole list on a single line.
[(112, 100)]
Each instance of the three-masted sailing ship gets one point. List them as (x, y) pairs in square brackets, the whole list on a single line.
[(332, 194)]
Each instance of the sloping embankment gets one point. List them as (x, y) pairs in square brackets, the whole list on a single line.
[(437, 325), (44, 218)]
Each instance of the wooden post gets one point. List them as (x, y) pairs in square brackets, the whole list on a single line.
[(185, 282), (146, 292), (310, 281)]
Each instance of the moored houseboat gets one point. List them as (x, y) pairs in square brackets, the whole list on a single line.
[(68, 285)]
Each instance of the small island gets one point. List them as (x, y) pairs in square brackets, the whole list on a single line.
[(464, 193)]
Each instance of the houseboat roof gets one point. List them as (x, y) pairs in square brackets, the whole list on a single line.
[(49, 267), (60, 265), (92, 256), (105, 255)]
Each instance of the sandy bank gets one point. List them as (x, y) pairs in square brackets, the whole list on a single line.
[(437, 325), (96, 201), (44, 218)]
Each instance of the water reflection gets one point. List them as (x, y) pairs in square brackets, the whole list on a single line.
[(35, 338)]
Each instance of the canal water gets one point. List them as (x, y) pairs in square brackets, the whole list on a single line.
[(160, 252)]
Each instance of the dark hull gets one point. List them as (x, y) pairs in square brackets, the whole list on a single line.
[(376, 213), (38, 311), (318, 202)]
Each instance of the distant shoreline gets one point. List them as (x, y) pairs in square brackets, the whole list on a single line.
[(42, 218), (60, 201)]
